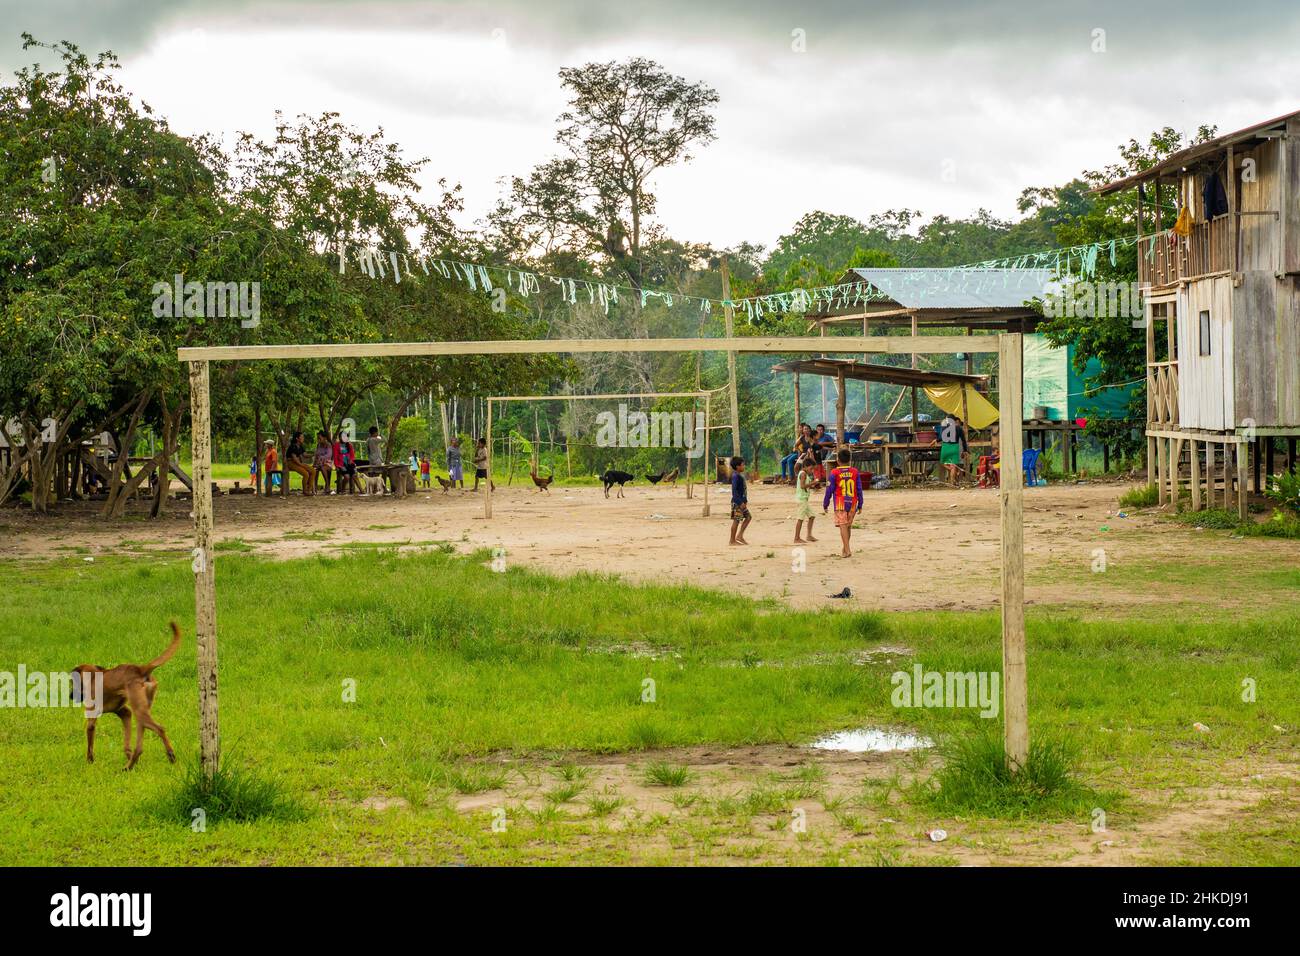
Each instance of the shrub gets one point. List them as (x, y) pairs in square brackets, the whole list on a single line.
[(1143, 496)]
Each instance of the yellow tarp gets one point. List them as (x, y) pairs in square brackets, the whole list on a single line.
[(980, 412)]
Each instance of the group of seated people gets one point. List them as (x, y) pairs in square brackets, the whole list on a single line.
[(337, 456), (812, 444), (817, 445)]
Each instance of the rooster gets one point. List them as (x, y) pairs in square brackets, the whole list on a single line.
[(542, 483), (667, 477)]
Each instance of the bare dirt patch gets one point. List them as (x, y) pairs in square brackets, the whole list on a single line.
[(739, 805)]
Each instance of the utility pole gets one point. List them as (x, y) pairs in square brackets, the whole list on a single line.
[(730, 315)]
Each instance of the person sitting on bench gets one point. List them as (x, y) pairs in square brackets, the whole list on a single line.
[(293, 461)]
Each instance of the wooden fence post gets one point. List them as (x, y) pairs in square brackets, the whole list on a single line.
[(709, 468), (487, 488), (205, 594), (1015, 695)]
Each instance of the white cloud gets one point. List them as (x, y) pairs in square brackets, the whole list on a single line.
[(863, 121)]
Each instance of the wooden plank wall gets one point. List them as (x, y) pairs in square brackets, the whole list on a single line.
[(1205, 382), (1286, 353), (1254, 326), (1259, 233), (1291, 191)]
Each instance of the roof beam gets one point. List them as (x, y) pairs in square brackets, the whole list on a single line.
[(880, 344)]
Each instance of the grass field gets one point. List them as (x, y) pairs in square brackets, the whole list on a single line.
[(520, 698)]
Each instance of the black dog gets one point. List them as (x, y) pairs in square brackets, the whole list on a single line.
[(612, 477)]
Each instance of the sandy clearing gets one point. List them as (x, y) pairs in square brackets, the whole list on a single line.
[(928, 548)]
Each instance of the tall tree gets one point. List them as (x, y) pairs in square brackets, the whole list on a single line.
[(625, 122)]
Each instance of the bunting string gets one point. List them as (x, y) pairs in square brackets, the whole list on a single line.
[(1077, 262)]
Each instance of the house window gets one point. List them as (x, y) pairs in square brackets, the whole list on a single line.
[(1205, 332)]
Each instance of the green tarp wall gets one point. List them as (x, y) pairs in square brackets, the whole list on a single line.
[(1051, 381)]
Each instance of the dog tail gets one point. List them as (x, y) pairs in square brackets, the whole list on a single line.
[(166, 655)]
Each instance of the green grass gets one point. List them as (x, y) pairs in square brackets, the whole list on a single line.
[(667, 775), (975, 777), (1278, 525), (1143, 496), (427, 675), (231, 794)]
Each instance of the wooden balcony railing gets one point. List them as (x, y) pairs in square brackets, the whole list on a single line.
[(1166, 257), (1162, 388)]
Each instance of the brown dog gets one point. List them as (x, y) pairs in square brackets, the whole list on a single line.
[(125, 688)]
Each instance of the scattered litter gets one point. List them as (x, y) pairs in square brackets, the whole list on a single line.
[(92, 561), (1104, 527), (1201, 727), (937, 835), (1120, 514), (1278, 729), (846, 593), (1106, 843), (658, 517)]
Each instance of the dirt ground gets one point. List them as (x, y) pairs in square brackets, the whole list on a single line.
[(924, 548), (825, 790)]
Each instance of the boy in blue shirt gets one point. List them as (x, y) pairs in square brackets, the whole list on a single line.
[(740, 516)]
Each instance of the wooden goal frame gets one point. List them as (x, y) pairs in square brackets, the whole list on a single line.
[(1008, 346)]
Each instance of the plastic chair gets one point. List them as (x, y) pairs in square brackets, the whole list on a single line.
[(1029, 463)]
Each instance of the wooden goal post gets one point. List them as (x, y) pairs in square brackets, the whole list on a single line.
[(1007, 345)]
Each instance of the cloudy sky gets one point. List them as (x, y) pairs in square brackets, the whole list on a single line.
[(852, 106)]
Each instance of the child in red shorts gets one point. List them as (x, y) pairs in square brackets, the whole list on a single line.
[(845, 488)]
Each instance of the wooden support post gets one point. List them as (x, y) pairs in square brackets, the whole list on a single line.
[(1011, 493), (1231, 177), (729, 313), (821, 414), (798, 412), (1209, 474), (915, 364), (866, 385), (487, 486), (205, 589), (257, 450), (709, 467), (695, 422), (1160, 472), (1243, 450), (1175, 454), (1152, 443), (841, 400), (1255, 464), (1196, 476)]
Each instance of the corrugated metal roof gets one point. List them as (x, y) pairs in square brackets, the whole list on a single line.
[(959, 288)]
